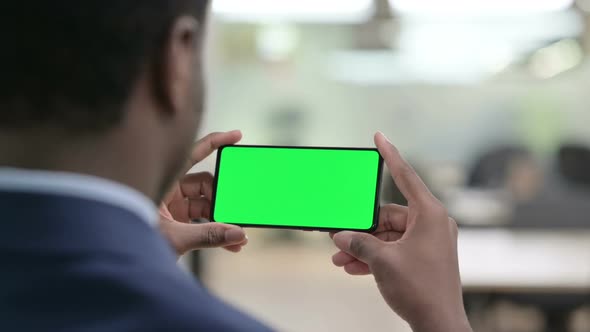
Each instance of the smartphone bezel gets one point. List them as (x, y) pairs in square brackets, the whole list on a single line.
[(376, 204)]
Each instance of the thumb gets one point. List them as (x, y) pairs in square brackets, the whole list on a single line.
[(362, 246), (208, 235)]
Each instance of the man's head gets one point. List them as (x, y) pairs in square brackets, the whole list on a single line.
[(83, 71)]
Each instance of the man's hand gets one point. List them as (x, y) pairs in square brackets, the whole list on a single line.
[(190, 198), (412, 255)]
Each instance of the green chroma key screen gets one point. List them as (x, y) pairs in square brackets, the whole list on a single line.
[(304, 188)]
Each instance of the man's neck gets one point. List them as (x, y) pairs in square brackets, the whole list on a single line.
[(111, 157)]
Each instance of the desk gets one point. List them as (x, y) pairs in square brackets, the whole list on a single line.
[(549, 268), (525, 260)]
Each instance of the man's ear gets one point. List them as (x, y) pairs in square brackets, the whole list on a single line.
[(177, 68)]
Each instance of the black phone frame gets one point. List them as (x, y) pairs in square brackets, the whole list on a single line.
[(304, 228)]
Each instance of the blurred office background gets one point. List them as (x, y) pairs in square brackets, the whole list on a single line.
[(488, 99)]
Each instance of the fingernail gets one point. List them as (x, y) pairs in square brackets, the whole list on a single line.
[(234, 235), (384, 136), (341, 240)]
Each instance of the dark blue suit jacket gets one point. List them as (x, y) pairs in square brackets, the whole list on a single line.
[(69, 264)]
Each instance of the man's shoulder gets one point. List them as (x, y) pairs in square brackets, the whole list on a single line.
[(114, 294), (172, 300), (97, 268)]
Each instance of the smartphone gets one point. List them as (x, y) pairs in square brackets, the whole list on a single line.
[(309, 188)]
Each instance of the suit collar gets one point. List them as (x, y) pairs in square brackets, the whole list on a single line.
[(80, 186), (49, 225)]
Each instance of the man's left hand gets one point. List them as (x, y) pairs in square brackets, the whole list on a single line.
[(190, 198)]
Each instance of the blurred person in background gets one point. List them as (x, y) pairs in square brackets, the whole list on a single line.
[(100, 102)]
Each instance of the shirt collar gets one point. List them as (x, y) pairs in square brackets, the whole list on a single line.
[(80, 186)]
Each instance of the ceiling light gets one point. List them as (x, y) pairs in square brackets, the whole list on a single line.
[(557, 58), (479, 7), (324, 11)]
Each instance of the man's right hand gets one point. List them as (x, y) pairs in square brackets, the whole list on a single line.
[(412, 254)]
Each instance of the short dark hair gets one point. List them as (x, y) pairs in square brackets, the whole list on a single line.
[(72, 64)]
